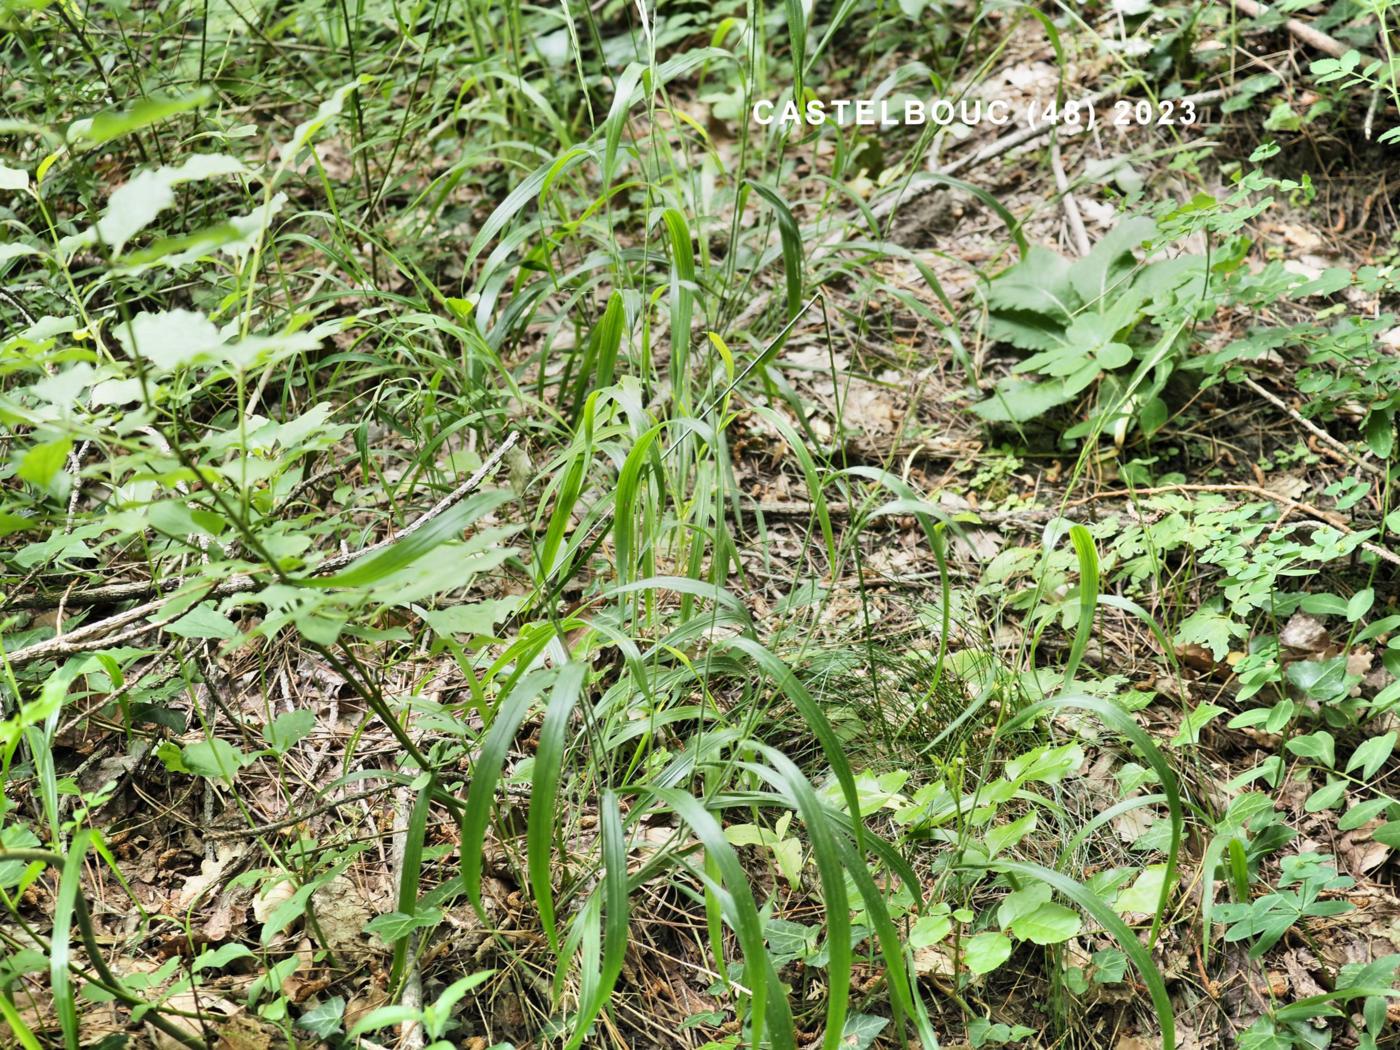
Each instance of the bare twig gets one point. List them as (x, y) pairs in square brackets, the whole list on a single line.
[(1077, 233), (1312, 428), (295, 818), (1006, 144), (1314, 38)]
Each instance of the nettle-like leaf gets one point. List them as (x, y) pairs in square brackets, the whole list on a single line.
[(135, 205), (1077, 316), (171, 339)]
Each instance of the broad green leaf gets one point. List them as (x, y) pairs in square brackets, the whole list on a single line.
[(113, 123), (1372, 754), (408, 549), (1319, 746), (41, 463), (479, 618), (135, 204), (213, 758), (1362, 813), (1050, 923), (1144, 894), (13, 178), (984, 952), (171, 339), (218, 958), (1388, 834), (1021, 903), (325, 113), (1326, 796), (203, 621), (1360, 604), (288, 729)]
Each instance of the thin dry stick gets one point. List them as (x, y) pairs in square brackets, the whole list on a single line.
[(1314, 38), (98, 635), (1006, 144), (1077, 233), (1313, 428)]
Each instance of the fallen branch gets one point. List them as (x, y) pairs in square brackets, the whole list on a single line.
[(1006, 144), (1312, 428), (1077, 233), (1314, 38), (99, 634)]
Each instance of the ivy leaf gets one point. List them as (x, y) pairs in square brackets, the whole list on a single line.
[(861, 1030), (1370, 755), (323, 1020), (1318, 746)]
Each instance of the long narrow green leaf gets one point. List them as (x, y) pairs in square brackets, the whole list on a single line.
[(21, 1031), (531, 187), (615, 914), (486, 772), (445, 527), (791, 238), (65, 906), (786, 776), (736, 900), (626, 498), (410, 876), (549, 756), (795, 691), (682, 302), (1088, 599)]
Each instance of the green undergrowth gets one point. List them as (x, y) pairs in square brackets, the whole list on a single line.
[(423, 365)]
